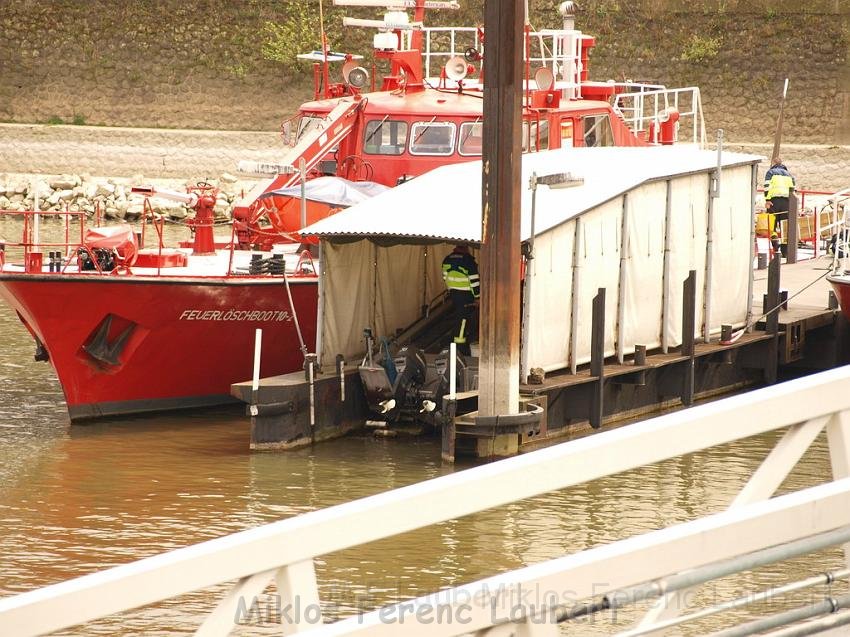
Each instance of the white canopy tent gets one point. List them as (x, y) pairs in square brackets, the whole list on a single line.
[(641, 220)]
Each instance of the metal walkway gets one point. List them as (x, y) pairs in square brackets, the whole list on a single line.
[(756, 529)]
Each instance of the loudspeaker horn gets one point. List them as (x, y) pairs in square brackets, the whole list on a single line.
[(544, 79), (354, 75), (456, 68)]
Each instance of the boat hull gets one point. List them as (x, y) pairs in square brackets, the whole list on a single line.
[(841, 286), (136, 344)]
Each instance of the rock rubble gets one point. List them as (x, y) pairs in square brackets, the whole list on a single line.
[(111, 197)]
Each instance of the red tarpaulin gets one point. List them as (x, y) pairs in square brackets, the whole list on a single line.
[(121, 238)]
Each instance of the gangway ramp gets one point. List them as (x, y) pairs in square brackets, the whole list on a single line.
[(754, 529)]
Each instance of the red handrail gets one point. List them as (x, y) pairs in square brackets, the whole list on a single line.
[(27, 242)]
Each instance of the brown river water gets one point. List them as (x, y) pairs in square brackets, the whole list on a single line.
[(77, 499)]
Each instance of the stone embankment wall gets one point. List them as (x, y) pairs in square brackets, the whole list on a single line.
[(157, 63), (88, 168), (822, 168), (199, 63), (176, 157), (738, 53), (110, 198)]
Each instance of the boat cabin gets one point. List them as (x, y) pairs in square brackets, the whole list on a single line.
[(398, 140)]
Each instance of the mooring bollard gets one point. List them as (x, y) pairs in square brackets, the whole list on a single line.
[(833, 301), (255, 382), (310, 367)]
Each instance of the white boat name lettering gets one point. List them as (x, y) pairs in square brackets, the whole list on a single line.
[(235, 315)]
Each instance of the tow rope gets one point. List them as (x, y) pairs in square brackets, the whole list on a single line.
[(295, 316)]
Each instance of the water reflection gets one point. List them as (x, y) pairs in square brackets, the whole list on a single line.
[(78, 499)]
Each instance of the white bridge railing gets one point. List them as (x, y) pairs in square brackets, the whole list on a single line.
[(658, 562)]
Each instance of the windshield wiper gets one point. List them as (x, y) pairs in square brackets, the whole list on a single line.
[(377, 128), (424, 129), (469, 132)]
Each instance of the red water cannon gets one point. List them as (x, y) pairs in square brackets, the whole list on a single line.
[(201, 197)]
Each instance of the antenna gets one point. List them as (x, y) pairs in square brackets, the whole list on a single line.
[(777, 139), (325, 78)]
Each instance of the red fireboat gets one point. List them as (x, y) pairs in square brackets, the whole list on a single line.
[(163, 327)]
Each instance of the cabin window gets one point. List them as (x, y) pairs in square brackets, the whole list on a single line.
[(385, 137), (597, 130), (471, 138), (432, 138), (535, 136), (309, 123), (566, 133)]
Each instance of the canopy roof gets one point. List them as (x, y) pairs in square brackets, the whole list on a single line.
[(445, 204)]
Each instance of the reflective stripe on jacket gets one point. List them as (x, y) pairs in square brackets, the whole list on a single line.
[(778, 182), (460, 272)]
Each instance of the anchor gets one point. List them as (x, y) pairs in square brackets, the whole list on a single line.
[(41, 353), (99, 347)]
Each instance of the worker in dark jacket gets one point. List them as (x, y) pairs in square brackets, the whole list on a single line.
[(460, 272), (778, 185)]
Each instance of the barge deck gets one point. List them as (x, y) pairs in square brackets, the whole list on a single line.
[(810, 334)]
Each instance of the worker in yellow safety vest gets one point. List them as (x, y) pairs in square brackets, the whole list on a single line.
[(460, 272), (778, 185)]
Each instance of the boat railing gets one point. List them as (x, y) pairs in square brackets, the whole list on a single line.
[(821, 218), (32, 241), (29, 250), (756, 528), (440, 44), (558, 50), (837, 231), (644, 106)]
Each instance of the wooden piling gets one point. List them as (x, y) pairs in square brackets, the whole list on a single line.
[(792, 238), (500, 253), (597, 358), (689, 311), (772, 319)]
